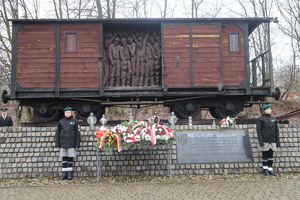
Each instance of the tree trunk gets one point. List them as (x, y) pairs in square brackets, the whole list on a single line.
[(99, 9), (108, 8)]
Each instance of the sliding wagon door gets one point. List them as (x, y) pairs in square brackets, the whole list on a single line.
[(79, 56), (191, 55), (176, 55), (206, 55)]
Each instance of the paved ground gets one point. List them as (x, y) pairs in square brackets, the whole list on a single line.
[(240, 190)]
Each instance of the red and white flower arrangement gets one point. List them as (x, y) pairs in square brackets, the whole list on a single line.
[(227, 122), (108, 139), (157, 133), (146, 132)]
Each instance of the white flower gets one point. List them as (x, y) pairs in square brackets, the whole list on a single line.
[(114, 129), (138, 137), (119, 129), (164, 137), (147, 137), (130, 135), (143, 133)]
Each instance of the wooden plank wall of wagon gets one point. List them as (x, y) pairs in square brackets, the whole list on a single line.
[(206, 55), (176, 44), (233, 63), (35, 56), (80, 68)]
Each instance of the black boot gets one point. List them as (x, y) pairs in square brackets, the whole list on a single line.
[(70, 175), (272, 173), (270, 166), (266, 172), (64, 176), (70, 168)]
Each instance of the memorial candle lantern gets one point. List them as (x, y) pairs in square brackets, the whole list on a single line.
[(190, 121), (91, 120), (172, 120), (103, 120)]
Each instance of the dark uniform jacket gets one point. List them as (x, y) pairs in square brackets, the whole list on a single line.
[(6, 122), (267, 130), (67, 133)]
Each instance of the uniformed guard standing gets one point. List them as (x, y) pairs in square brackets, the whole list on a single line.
[(67, 141), (268, 138), (5, 120)]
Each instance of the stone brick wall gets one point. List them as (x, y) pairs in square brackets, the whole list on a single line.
[(29, 152)]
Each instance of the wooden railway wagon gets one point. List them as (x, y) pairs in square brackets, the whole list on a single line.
[(185, 64)]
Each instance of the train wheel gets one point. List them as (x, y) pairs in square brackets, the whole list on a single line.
[(182, 113), (83, 113), (50, 115), (213, 113), (222, 112)]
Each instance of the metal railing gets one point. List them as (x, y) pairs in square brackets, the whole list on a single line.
[(263, 69)]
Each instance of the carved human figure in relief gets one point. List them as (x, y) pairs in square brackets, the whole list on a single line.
[(132, 49), (132, 59), (150, 55), (106, 68), (115, 64), (154, 45), (157, 67), (141, 58), (125, 63)]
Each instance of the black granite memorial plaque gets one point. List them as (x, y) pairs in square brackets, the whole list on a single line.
[(213, 146)]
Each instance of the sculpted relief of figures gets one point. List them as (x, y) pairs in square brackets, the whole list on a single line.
[(132, 59)]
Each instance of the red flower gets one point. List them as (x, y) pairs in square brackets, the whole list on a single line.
[(100, 133)]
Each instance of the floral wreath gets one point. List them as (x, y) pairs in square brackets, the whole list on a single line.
[(227, 122), (108, 139), (135, 133)]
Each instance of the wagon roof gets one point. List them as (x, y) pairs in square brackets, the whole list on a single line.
[(252, 22)]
